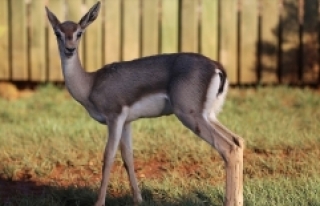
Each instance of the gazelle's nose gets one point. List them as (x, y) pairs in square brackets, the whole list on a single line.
[(70, 49)]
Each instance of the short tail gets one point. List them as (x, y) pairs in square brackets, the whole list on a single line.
[(223, 77)]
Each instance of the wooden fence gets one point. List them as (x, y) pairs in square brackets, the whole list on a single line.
[(258, 41)]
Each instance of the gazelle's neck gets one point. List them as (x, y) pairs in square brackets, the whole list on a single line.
[(77, 80)]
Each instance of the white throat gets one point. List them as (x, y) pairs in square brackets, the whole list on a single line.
[(77, 80)]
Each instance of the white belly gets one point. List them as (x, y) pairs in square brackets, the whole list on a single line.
[(150, 106)]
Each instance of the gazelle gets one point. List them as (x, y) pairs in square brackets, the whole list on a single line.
[(189, 85)]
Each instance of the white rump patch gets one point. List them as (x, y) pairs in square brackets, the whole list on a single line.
[(214, 102)]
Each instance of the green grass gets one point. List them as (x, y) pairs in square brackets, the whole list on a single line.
[(303, 192), (48, 130)]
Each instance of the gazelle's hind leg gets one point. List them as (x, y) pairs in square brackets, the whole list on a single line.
[(193, 108), (231, 151), (212, 107), (201, 120), (234, 164), (229, 134)]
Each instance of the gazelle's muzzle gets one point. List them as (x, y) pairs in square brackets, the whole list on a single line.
[(69, 51)]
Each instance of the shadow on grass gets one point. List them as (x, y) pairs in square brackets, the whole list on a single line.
[(31, 193)]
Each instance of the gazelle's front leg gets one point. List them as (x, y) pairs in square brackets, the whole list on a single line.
[(127, 157), (115, 124)]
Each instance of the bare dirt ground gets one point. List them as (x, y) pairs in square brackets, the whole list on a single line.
[(28, 183)]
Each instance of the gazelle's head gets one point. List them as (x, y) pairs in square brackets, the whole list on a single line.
[(69, 33)]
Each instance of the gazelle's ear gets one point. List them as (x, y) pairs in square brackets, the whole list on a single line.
[(54, 21), (89, 17)]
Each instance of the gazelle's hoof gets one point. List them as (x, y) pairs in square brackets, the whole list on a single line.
[(137, 200), (99, 203)]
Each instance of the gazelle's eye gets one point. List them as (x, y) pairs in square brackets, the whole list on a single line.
[(79, 34), (58, 35)]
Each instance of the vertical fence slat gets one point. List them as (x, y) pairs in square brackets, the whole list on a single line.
[(19, 40), (74, 11), (228, 34), (310, 41), (290, 46), (131, 30), (4, 44), (93, 43), (37, 41), (169, 26), (112, 38), (55, 72), (189, 26), (209, 28), (269, 40), (150, 27), (249, 40)]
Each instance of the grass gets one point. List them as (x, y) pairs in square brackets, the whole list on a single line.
[(258, 192), (49, 145)]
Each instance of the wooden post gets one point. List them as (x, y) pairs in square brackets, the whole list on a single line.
[(150, 26), (19, 41), (4, 44), (269, 40), (234, 185), (228, 37), (189, 26), (112, 34), (169, 26), (209, 28), (230, 146), (248, 41), (131, 29), (55, 72), (93, 37), (37, 41), (310, 59), (290, 36)]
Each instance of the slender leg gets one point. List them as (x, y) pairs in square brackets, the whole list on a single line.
[(234, 165), (115, 130), (127, 157), (230, 149), (225, 131)]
